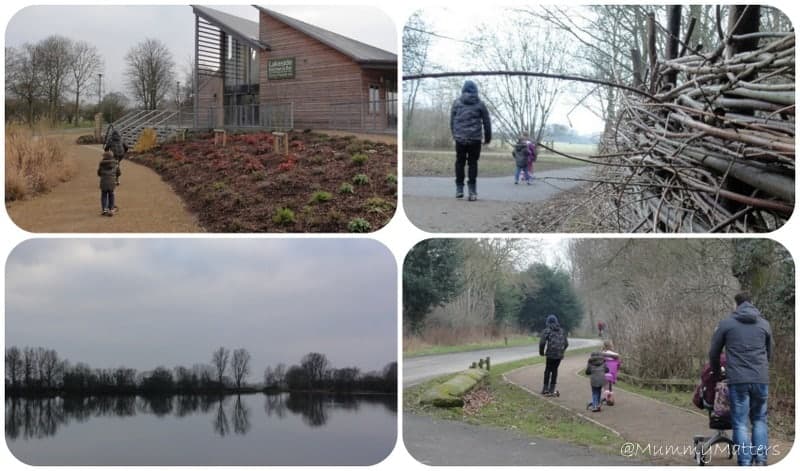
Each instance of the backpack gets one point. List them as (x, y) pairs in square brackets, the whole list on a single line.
[(117, 148), (556, 341)]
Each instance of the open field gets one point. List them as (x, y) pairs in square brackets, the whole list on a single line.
[(419, 349), (493, 163)]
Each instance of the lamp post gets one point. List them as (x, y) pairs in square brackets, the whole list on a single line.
[(99, 88)]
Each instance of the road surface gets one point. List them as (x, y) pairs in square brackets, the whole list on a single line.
[(450, 443), (419, 369)]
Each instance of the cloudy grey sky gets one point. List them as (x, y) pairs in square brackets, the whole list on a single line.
[(115, 29), (459, 24), (148, 302)]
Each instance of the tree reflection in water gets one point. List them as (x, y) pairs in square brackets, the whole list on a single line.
[(35, 418)]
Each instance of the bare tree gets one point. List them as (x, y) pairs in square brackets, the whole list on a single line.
[(315, 366), (522, 103), (240, 364), (150, 72), (54, 56), (29, 371), (23, 76), (13, 366), (85, 64), (416, 43), (219, 360)]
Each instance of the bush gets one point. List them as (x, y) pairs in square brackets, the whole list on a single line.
[(378, 205), (353, 148), (391, 179), (346, 188), (219, 186), (359, 159), (321, 197), (358, 225), (361, 179), (284, 217), (33, 166)]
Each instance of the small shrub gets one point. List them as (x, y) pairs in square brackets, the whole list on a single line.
[(358, 225), (378, 205), (284, 217), (219, 186), (321, 197), (354, 147), (359, 159), (346, 188), (258, 175), (33, 166), (361, 179), (391, 179)]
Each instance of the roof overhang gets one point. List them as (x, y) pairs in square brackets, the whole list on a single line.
[(382, 65), (230, 30)]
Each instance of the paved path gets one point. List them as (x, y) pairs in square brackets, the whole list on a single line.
[(430, 203), (418, 369), (500, 188), (450, 443), (638, 419), (147, 204)]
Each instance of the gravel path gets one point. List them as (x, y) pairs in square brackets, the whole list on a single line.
[(146, 203)]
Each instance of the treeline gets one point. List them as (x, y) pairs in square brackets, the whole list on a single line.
[(314, 373), (48, 80), (460, 290), (40, 371)]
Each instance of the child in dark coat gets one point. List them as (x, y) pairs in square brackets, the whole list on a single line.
[(108, 171), (596, 369)]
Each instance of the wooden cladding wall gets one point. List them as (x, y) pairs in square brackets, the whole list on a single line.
[(323, 75)]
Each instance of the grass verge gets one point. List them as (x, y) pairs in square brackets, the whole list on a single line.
[(516, 341), (515, 409)]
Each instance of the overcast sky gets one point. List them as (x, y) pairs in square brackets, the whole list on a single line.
[(148, 302), (453, 54), (115, 29)]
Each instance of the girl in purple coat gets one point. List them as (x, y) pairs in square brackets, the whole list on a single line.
[(613, 362)]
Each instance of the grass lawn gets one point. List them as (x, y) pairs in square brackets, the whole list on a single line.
[(493, 163), (513, 341), (516, 409)]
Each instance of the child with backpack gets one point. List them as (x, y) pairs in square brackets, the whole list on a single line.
[(521, 156), (596, 370), (613, 362), (552, 344), (109, 172)]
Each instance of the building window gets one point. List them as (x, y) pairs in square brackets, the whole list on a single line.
[(374, 99), (230, 47)]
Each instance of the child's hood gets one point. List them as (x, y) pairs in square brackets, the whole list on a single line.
[(596, 359), (469, 93)]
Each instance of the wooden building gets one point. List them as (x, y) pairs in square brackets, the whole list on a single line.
[(284, 73)]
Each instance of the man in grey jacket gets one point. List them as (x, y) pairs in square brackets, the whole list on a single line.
[(747, 339), (470, 124)]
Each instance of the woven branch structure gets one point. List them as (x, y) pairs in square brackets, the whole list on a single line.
[(713, 150)]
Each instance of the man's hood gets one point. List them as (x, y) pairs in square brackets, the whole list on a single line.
[(469, 93), (746, 313)]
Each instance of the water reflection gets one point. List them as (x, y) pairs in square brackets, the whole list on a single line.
[(43, 417)]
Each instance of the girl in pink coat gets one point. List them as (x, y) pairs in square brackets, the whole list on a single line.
[(613, 363)]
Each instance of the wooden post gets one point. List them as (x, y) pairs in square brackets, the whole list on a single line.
[(281, 142), (636, 63), (98, 128), (652, 54), (671, 49), (488, 365)]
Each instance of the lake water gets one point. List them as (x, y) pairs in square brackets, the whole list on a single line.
[(253, 429)]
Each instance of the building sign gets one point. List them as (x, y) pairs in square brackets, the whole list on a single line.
[(280, 69)]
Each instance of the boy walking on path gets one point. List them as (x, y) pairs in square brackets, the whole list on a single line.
[(117, 147), (109, 172), (470, 124), (747, 339)]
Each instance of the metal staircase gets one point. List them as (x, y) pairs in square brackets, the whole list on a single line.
[(166, 123)]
